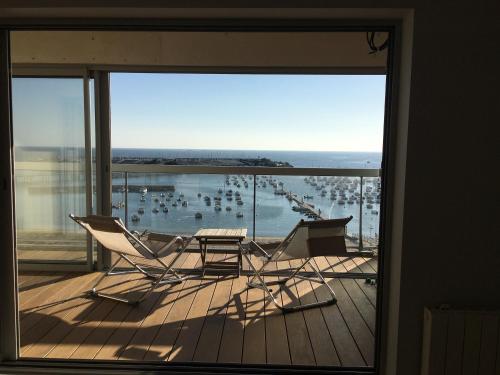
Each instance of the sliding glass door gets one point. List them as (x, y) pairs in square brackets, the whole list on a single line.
[(51, 161)]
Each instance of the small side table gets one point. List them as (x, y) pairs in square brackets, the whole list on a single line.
[(220, 236)]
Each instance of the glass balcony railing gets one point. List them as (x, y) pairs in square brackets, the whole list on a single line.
[(266, 201), (45, 193)]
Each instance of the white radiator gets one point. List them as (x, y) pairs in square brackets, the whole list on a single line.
[(461, 342)]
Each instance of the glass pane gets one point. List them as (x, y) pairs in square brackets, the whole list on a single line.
[(49, 143), (282, 201)]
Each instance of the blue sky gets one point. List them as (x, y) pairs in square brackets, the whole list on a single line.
[(210, 111), (251, 112)]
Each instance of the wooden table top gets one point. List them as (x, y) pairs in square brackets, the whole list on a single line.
[(221, 233)]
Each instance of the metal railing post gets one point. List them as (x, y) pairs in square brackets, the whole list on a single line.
[(126, 199), (254, 203), (360, 240)]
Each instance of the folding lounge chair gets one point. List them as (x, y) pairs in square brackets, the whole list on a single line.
[(111, 233), (307, 240)]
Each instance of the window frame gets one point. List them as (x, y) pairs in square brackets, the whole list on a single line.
[(391, 178)]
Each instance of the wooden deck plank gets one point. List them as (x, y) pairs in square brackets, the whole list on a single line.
[(218, 321), (208, 345), (277, 348), (356, 324), (77, 310), (27, 279), (369, 290), (44, 319), (347, 350), (124, 339), (372, 263), (301, 352), (359, 298), (254, 342), (163, 342), (321, 342), (187, 340), (231, 344), (79, 332), (39, 292), (94, 341), (79, 283)]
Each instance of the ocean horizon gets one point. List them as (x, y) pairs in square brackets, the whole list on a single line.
[(304, 159)]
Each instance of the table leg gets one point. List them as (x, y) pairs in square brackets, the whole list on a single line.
[(202, 254), (240, 260)]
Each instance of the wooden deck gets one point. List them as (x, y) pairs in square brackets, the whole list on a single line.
[(215, 319)]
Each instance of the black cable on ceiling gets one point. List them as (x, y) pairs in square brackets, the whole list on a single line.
[(370, 39)]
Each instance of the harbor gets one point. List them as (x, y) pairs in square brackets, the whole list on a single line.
[(268, 205)]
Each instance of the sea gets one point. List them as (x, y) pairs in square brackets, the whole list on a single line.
[(274, 216)]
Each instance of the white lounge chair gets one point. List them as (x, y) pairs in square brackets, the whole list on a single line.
[(112, 234), (307, 240)]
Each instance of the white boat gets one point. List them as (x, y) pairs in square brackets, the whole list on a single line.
[(140, 211), (165, 209), (135, 218), (239, 214), (155, 210)]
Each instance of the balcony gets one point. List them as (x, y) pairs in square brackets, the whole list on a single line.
[(213, 318)]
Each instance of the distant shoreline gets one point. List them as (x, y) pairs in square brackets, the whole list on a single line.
[(226, 162)]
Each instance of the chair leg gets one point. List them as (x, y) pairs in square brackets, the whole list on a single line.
[(262, 285), (175, 278), (317, 270), (158, 280), (95, 293), (287, 309)]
